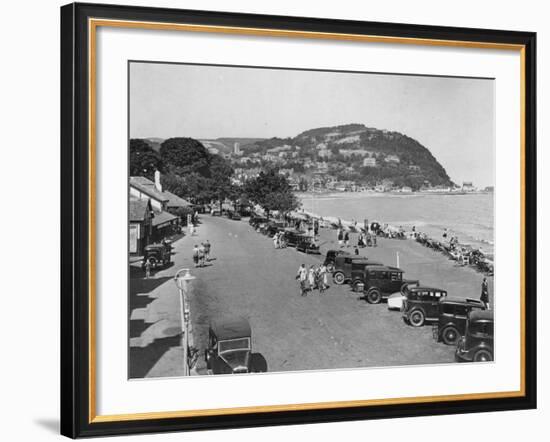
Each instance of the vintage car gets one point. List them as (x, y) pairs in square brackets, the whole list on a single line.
[(158, 255), (380, 281), (307, 244), (232, 214), (331, 256), (453, 314), (230, 348), (477, 343), (395, 300), (272, 227), (291, 237), (255, 220), (346, 267), (421, 304)]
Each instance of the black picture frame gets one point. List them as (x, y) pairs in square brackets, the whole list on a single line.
[(75, 220)]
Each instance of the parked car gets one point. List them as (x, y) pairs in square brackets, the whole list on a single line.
[(421, 305), (380, 281), (453, 314), (255, 220), (344, 265), (158, 255), (331, 256), (272, 227), (232, 214), (395, 300), (477, 343), (291, 237), (307, 244), (230, 348)]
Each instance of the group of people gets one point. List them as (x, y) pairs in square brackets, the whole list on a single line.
[(363, 239), (201, 254), (316, 278), (343, 237), (279, 240)]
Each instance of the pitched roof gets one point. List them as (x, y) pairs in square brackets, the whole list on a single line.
[(138, 209), (162, 218), (148, 187), (175, 201)]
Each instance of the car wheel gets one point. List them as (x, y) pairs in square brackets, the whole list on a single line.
[(207, 360), (483, 356), (417, 318), (374, 296), (450, 335), (330, 267), (339, 278)]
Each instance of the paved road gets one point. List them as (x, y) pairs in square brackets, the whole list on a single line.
[(249, 278)]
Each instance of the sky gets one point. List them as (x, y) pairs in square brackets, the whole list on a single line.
[(452, 117)]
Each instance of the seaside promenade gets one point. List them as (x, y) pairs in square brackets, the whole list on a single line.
[(248, 277)]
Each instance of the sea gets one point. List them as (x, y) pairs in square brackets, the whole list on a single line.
[(470, 217)]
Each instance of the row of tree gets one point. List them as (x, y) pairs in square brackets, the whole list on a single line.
[(191, 172)]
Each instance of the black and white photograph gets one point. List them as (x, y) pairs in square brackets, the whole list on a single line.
[(293, 220)]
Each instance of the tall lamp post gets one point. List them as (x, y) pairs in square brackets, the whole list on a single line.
[(182, 279)]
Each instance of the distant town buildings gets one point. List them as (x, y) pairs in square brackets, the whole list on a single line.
[(392, 159), (369, 162)]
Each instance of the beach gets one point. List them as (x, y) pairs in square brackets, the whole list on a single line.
[(468, 216), (248, 277)]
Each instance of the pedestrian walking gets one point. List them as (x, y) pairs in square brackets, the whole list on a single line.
[(346, 239), (301, 276), (202, 255), (323, 278), (276, 240), (340, 236), (196, 255), (485, 293), (147, 269), (207, 247), (311, 279)]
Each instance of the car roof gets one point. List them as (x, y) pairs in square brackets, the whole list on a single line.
[(423, 289), (230, 327), (385, 268), (481, 315), (154, 246), (464, 301)]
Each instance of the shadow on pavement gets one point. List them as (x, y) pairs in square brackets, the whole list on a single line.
[(143, 359)]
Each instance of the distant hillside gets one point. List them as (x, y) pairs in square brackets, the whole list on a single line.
[(361, 153), (226, 145)]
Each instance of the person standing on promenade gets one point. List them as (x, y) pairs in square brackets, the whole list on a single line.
[(301, 276), (196, 255), (202, 254), (147, 269), (207, 247), (311, 279), (323, 278), (340, 236), (485, 293), (346, 239)]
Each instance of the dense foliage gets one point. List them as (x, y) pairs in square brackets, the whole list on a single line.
[(144, 160), (189, 170), (272, 192)]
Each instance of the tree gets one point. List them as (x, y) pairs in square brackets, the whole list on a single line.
[(186, 155), (272, 192), (143, 159)]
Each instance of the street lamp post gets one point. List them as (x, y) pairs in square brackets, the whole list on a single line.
[(182, 279)]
